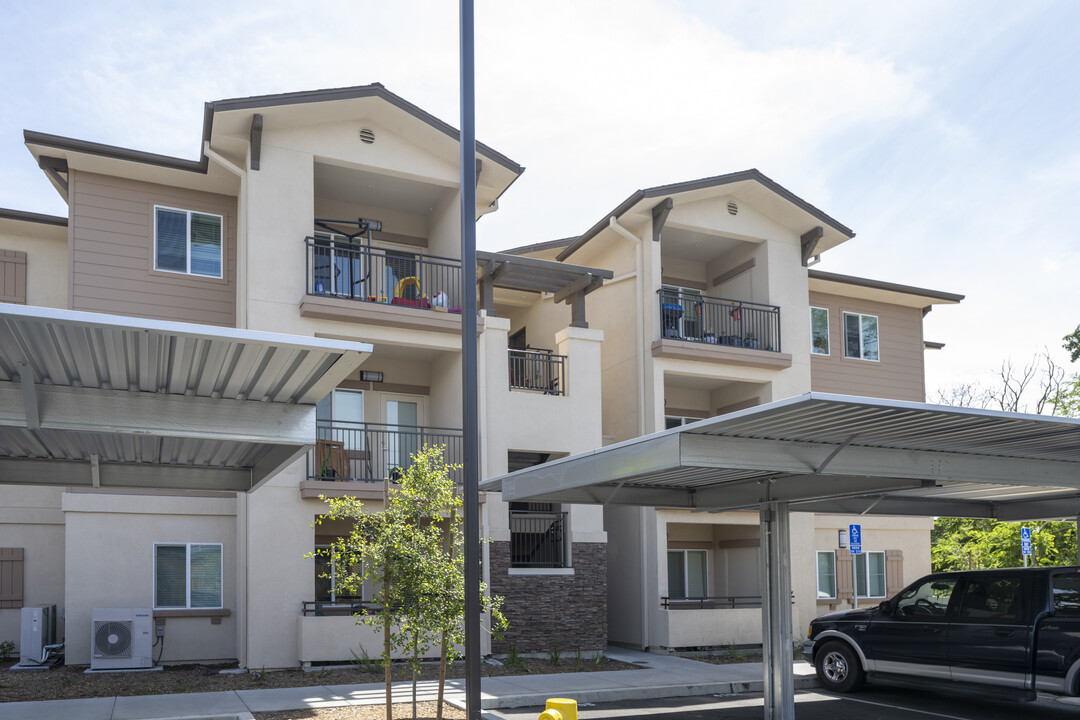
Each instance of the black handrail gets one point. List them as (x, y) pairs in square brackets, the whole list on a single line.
[(537, 539), (536, 369), (373, 452), (719, 321), (719, 602)]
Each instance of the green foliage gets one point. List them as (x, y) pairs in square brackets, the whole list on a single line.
[(577, 660), (512, 657), (598, 658), (1072, 344), (411, 552), (6, 648), (1066, 401), (964, 544), (554, 654)]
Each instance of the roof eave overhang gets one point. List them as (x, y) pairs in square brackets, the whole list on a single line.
[(837, 232)]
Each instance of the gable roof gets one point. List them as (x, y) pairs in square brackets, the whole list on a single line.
[(660, 191)]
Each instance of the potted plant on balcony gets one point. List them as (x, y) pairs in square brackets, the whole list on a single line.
[(750, 341)]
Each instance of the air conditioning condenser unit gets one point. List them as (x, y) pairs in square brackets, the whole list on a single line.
[(121, 638), (36, 630)]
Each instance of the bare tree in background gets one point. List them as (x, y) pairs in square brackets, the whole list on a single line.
[(1035, 387)]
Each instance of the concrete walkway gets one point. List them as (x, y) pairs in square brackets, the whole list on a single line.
[(661, 676)]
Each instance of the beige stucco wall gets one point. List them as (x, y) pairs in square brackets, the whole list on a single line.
[(31, 519), (109, 563), (46, 248)]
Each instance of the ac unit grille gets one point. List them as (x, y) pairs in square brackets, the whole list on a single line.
[(112, 639)]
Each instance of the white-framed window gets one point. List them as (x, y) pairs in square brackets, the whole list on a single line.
[(671, 421), (327, 585), (870, 574), (688, 575), (187, 575), (861, 336), (819, 331), (826, 574), (188, 242)]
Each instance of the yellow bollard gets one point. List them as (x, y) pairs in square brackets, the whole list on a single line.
[(560, 709)]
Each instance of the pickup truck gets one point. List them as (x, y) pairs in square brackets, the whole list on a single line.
[(1017, 629)]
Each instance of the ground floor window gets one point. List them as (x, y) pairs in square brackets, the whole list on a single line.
[(187, 575), (870, 574), (688, 575), (826, 574)]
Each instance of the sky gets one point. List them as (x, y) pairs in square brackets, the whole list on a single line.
[(945, 134)]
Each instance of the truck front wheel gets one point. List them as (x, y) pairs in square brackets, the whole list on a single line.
[(838, 667)]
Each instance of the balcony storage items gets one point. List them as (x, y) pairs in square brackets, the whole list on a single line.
[(693, 317)]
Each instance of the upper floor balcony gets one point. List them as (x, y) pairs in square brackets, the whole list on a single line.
[(357, 282)]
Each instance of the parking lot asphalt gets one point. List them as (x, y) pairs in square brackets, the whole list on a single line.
[(873, 703)]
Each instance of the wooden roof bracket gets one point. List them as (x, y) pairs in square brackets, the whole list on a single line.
[(659, 216), (809, 243)]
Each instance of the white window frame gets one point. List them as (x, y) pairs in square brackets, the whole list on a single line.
[(862, 349), (863, 560), (817, 574), (683, 419), (686, 571), (187, 576), (828, 339), (187, 271)]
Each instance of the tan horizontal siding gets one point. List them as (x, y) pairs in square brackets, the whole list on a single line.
[(898, 375), (112, 252)]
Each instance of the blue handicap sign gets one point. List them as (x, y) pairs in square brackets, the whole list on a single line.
[(855, 539), (1025, 547), (1025, 534)]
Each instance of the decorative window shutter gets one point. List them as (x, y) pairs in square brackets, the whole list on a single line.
[(13, 277), (843, 575), (894, 572), (11, 577)]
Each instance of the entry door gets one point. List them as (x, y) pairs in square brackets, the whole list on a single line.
[(404, 415)]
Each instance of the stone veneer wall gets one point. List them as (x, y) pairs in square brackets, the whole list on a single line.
[(546, 611)]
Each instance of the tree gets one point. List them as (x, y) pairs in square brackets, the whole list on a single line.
[(1034, 387), (410, 551), (1072, 344)]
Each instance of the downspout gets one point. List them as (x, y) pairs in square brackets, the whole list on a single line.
[(241, 230), (613, 223)]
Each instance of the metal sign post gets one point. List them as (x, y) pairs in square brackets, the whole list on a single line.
[(1025, 543), (855, 548)]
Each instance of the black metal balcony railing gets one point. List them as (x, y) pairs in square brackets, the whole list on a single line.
[(727, 602), (337, 268), (540, 370), (719, 321), (372, 452), (537, 539)]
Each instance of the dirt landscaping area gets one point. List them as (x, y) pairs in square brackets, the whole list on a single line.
[(72, 682)]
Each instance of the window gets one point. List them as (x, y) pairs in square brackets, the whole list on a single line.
[(860, 336), (1066, 595), (687, 573), (672, 421), (819, 331), (327, 586), (826, 574), (187, 242), (991, 600), (927, 601), (870, 574), (187, 575)]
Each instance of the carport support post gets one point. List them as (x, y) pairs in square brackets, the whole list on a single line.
[(776, 637)]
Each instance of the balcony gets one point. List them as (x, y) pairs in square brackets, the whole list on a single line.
[(354, 282), (537, 370), (537, 539), (730, 602), (719, 321), (373, 452)]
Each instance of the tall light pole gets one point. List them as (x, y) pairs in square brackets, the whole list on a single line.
[(470, 411)]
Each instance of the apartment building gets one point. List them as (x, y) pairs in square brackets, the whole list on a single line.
[(713, 309), (331, 216)]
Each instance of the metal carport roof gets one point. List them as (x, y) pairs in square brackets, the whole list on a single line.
[(832, 453), (103, 400), (825, 453)]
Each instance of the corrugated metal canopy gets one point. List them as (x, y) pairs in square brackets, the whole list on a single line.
[(87, 398), (832, 453)]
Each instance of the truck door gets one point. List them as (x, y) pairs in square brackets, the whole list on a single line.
[(988, 637), (911, 639)]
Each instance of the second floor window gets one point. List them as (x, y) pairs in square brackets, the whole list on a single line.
[(187, 242), (861, 336), (819, 331)]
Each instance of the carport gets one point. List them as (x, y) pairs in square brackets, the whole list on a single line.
[(97, 400), (825, 453)]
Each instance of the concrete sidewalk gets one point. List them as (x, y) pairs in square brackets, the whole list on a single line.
[(661, 676)]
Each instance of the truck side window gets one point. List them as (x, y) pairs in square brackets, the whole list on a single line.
[(991, 600), (1067, 595), (925, 600)]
